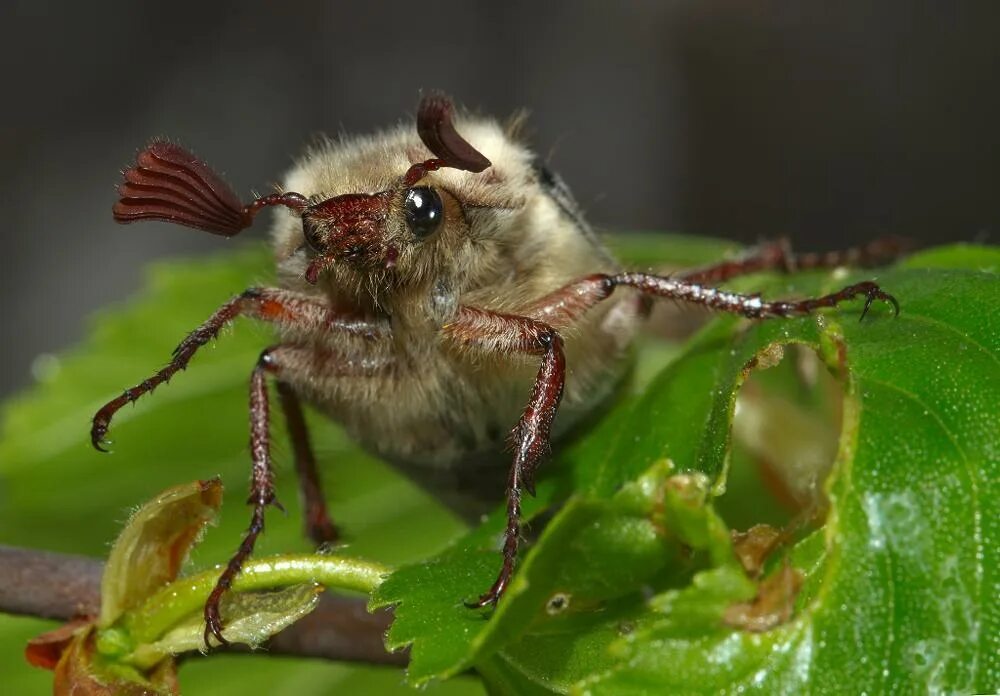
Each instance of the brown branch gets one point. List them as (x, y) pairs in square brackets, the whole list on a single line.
[(61, 586)]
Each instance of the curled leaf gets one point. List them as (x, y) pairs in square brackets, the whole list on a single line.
[(156, 540)]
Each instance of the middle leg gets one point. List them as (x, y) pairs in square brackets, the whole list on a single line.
[(563, 307), (282, 362), (535, 333), (262, 493), (319, 527), (507, 334)]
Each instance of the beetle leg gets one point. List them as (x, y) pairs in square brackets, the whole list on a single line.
[(261, 492), (566, 305), (778, 256), (294, 312), (286, 362), (507, 334), (750, 306), (318, 526), (535, 334)]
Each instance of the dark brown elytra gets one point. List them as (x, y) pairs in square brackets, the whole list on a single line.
[(169, 184)]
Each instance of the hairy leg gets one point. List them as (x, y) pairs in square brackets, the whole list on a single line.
[(286, 363), (566, 305), (750, 306), (778, 256), (261, 493), (535, 334), (318, 526), (507, 334), (298, 315)]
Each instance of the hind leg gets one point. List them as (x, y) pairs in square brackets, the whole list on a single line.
[(778, 256)]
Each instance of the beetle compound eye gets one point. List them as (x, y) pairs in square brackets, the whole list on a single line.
[(424, 210)]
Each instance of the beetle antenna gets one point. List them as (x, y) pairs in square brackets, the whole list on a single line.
[(437, 131), (168, 183)]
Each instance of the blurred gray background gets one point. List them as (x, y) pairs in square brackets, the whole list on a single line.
[(829, 122)]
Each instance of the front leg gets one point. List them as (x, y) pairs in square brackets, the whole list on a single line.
[(299, 317), (506, 334), (296, 314)]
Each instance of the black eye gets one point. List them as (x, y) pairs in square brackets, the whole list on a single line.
[(423, 210)]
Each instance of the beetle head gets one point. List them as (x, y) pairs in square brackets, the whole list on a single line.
[(362, 230)]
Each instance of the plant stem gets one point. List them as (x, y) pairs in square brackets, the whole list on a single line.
[(63, 586), (186, 595)]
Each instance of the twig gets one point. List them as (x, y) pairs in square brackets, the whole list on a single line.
[(48, 585), (60, 586)]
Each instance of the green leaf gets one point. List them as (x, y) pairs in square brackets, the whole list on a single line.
[(841, 616), (974, 257), (442, 628), (655, 250), (901, 596), (898, 585)]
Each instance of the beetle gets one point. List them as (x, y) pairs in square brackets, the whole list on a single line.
[(430, 279)]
